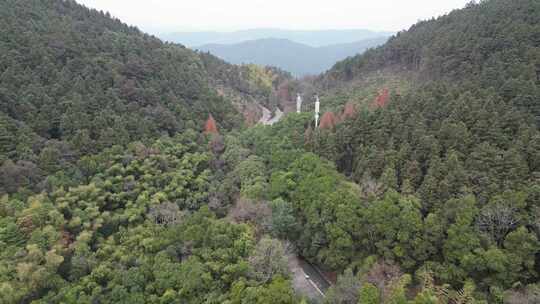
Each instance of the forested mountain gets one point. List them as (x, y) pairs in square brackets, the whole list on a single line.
[(102, 157), (312, 38), (297, 58), (491, 44), (445, 116), (76, 75), (74, 81), (127, 174), (249, 86)]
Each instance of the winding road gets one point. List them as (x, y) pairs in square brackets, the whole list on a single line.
[(267, 118), (307, 280)]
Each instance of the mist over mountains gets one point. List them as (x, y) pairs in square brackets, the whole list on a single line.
[(297, 58), (316, 38), (298, 52)]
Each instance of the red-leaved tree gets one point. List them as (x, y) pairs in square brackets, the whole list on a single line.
[(210, 126), (382, 99), (328, 121), (349, 111)]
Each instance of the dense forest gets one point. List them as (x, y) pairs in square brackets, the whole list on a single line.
[(492, 44), (75, 81), (75, 76), (128, 174)]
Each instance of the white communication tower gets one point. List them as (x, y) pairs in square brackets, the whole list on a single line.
[(317, 108)]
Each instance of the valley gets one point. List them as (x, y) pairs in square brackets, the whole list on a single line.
[(134, 170)]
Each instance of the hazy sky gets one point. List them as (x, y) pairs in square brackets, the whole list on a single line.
[(226, 15)]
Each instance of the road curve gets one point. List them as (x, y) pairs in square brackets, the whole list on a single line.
[(306, 280), (267, 118)]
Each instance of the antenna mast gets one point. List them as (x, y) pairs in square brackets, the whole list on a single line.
[(317, 108)]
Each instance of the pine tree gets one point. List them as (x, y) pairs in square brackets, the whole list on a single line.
[(389, 178), (7, 141)]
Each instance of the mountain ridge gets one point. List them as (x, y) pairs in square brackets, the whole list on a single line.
[(314, 38), (298, 58)]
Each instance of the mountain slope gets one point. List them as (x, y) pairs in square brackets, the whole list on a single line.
[(492, 44), (297, 58), (76, 75), (444, 117), (487, 52), (248, 86), (75, 81), (461, 43), (311, 38), (106, 180)]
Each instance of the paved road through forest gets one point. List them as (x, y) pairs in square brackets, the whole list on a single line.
[(307, 281), (267, 118)]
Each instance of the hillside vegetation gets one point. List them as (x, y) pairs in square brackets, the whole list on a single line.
[(494, 44), (71, 74), (458, 134), (74, 81)]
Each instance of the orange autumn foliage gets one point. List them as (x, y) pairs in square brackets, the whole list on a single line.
[(210, 126), (349, 111), (382, 99), (328, 121)]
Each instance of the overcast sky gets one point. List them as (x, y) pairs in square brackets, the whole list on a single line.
[(226, 15)]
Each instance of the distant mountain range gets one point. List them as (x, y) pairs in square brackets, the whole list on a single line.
[(297, 58), (311, 38)]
